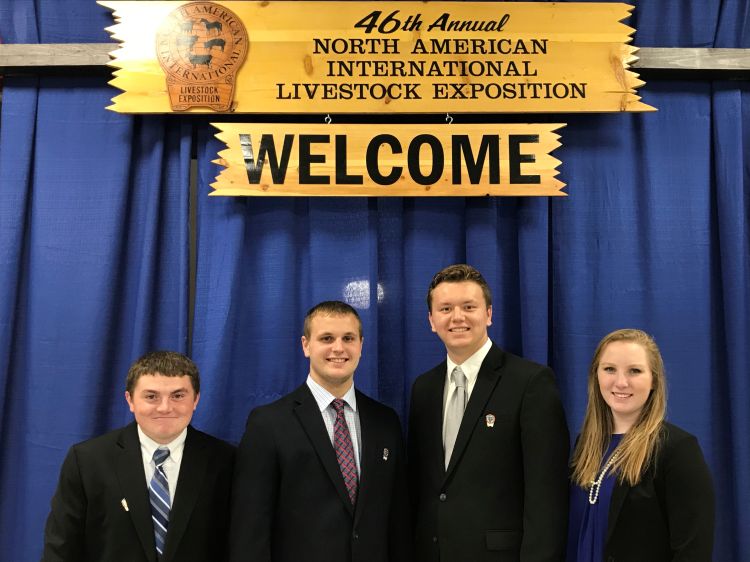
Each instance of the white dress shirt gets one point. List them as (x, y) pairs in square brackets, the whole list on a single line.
[(324, 400), (171, 466), (470, 368)]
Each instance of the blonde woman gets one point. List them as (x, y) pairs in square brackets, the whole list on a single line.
[(641, 490)]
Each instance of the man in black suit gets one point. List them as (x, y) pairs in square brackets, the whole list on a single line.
[(320, 473), (488, 441), (118, 497)]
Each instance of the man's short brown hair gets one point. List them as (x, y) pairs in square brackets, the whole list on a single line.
[(165, 363), (455, 274), (330, 308)]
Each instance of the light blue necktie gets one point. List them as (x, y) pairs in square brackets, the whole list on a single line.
[(158, 491)]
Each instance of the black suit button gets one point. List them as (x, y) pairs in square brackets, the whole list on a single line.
[(443, 497), (434, 539), (355, 535)]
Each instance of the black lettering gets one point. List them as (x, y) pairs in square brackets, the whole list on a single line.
[(373, 149), (342, 176), (306, 158), (438, 159), (490, 145), (439, 23), (516, 159), (267, 149)]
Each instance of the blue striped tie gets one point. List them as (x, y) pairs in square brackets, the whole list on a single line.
[(158, 491)]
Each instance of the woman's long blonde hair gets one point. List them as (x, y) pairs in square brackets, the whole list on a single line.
[(638, 446)]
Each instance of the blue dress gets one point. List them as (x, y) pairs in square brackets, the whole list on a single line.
[(587, 525)]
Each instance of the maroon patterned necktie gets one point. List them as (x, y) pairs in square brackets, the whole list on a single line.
[(342, 444)]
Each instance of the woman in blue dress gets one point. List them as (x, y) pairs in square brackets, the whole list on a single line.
[(640, 488)]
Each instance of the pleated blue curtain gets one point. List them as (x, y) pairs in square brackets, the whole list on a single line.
[(729, 386), (726, 382), (94, 233), (653, 234), (93, 261), (97, 271)]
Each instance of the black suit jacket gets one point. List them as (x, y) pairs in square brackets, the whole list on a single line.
[(88, 521), (290, 503), (669, 514), (504, 496)]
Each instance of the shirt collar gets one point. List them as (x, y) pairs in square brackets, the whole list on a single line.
[(176, 447), (471, 366), (324, 398)]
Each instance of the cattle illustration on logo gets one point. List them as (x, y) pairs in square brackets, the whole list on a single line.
[(201, 46)]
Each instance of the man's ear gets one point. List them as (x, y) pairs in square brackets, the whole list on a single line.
[(129, 400)]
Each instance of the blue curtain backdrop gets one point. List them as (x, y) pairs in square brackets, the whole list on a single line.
[(93, 261), (94, 235)]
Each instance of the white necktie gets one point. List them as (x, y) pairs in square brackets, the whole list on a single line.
[(454, 412)]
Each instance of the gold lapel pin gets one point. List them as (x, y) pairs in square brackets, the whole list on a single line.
[(124, 503), (490, 420)]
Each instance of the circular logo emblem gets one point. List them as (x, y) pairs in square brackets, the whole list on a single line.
[(201, 46)]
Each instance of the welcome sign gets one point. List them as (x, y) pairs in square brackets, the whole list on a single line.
[(270, 159), (373, 57)]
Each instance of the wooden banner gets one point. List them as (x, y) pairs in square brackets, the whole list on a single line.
[(373, 57), (272, 159)]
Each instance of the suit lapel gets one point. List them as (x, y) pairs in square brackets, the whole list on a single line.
[(309, 415), (619, 494), (434, 402), (487, 379), (132, 479), (368, 459), (189, 482)]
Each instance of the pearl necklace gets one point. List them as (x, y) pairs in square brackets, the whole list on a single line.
[(596, 485)]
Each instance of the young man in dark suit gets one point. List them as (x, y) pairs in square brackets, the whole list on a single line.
[(320, 473), (488, 440), (155, 490)]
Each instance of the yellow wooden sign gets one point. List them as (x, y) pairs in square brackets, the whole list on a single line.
[(275, 159), (373, 57)]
